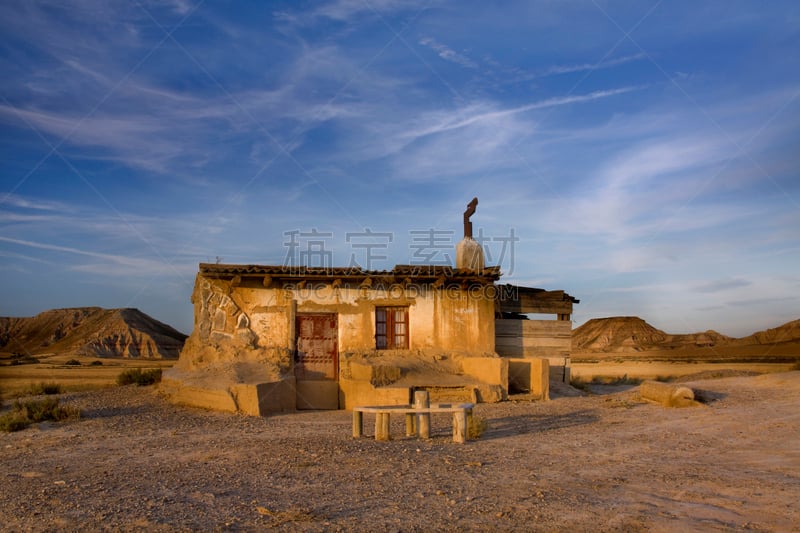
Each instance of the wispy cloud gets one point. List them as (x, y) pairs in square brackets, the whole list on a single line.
[(130, 265), (25, 202), (466, 138), (749, 302), (723, 285), (447, 53), (127, 136), (347, 10), (24, 257), (108, 265), (645, 186), (140, 235), (565, 69), (477, 113)]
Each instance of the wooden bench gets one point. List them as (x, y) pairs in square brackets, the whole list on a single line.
[(417, 419)]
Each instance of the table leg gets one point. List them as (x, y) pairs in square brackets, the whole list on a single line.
[(422, 400), (358, 424), (460, 426), (411, 429), (382, 421)]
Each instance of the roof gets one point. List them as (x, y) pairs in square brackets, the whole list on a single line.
[(540, 294), (524, 300), (413, 272)]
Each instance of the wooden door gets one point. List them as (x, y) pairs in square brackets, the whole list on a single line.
[(316, 361)]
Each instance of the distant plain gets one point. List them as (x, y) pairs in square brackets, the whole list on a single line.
[(52, 368)]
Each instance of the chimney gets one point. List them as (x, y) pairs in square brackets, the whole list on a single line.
[(469, 253)]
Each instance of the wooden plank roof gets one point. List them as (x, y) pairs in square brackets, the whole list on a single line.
[(516, 299)]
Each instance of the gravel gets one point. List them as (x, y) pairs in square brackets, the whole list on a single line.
[(577, 463)]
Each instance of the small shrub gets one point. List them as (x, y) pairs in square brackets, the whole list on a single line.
[(624, 380), (579, 383), (665, 379), (25, 360), (476, 426), (38, 411), (796, 366), (13, 421), (96, 363), (73, 362), (44, 388), (582, 384), (26, 413), (139, 377)]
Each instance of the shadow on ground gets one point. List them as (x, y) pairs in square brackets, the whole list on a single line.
[(521, 424), (708, 396), (109, 412)]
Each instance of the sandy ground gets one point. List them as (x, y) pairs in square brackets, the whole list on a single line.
[(661, 369), (605, 462)]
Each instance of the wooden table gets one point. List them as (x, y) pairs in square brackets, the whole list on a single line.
[(417, 419)]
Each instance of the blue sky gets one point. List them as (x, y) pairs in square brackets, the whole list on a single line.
[(642, 155)]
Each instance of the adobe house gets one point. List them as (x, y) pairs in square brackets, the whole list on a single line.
[(279, 338)]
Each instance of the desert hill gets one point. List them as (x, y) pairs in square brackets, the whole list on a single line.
[(91, 331), (632, 334), (789, 332)]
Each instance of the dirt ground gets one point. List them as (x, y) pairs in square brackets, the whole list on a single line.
[(606, 462)]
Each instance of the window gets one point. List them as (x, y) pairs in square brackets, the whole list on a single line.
[(391, 328)]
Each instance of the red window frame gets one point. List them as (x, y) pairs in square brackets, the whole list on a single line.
[(391, 328)]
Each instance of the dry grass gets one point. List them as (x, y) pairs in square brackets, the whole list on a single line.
[(476, 426), (26, 413), (44, 388), (139, 377), (17, 380)]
